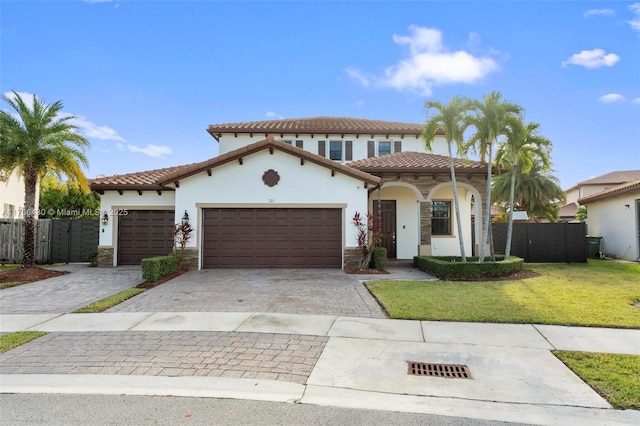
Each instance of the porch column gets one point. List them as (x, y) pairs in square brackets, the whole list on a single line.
[(425, 229)]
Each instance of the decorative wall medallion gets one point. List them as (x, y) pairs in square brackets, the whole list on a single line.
[(271, 177)]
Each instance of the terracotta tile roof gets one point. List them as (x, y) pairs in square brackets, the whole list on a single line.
[(617, 178), (412, 162), (633, 186), (139, 180), (313, 125), (269, 143)]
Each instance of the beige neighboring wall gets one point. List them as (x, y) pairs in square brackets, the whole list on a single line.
[(12, 196)]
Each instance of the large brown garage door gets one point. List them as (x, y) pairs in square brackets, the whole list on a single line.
[(144, 233), (272, 238)]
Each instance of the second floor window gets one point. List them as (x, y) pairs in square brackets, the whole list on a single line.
[(335, 150), (384, 148)]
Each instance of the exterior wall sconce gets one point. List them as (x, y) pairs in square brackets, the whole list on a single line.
[(627, 206), (105, 218), (185, 218)]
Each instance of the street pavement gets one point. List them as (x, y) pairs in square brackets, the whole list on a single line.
[(332, 360)]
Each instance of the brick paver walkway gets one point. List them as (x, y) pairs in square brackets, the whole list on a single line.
[(292, 291), (282, 357), (66, 293)]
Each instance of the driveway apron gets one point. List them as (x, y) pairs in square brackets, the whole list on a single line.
[(290, 291), (66, 293)]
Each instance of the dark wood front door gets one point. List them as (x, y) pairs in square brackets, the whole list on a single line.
[(387, 223)]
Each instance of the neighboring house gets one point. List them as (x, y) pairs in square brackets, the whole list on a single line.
[(593, 186), (614, 215), (12, 196), (283, 193)]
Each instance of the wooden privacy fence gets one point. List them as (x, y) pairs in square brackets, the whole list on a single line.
[(57, 240), (544, 242)]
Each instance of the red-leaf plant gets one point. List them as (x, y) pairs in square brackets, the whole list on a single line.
[(182, 233), (368, 237)]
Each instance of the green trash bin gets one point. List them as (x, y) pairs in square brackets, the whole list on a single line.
[(593, 247)]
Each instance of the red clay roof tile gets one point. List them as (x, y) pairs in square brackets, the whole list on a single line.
[(415, 162)]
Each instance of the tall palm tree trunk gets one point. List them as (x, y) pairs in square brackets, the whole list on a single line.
[(512, 190), (30, 182), (457, 206), (486, 220)]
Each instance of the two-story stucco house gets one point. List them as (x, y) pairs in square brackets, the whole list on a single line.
[(12, 196), (283, 193)]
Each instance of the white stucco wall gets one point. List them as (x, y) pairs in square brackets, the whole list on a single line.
[(407, 218), (12, 197), (229, 142), (113, 203), (235, 185), (616, 224)]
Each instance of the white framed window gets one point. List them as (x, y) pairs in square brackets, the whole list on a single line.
[(441, 217), (335, 150), (384, 147)]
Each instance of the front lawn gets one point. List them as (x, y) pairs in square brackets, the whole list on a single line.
[(599, 293), (13, 340), (109, 302), (615, 377)]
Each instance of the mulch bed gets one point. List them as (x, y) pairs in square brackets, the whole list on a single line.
[(162, 280), (27, 275), (522, 275)]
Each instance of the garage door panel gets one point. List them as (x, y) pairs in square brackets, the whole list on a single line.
[(272, 238), (144, 233)]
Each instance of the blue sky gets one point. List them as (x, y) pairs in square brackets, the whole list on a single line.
[(146, 78)]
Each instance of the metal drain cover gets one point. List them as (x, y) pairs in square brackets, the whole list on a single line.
[(450, 371)]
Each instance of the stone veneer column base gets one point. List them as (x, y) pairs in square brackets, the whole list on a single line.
[(351, 258), (105, 256), (189, 258)]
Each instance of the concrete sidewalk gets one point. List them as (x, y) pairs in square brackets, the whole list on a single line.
[(317, 359)]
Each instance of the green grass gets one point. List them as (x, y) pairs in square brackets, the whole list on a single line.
[(109, 302), (13, 340), (615, 377), (598, 293), (8, 266)]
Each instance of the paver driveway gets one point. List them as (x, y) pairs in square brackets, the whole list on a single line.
[(66, 293), (295, 291)]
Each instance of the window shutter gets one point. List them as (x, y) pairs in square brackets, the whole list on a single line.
[(322, 151), (397, 146), (348, 150), (371, 149), (299, 143)]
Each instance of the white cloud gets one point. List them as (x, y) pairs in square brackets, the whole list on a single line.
[(595, 58), (271, 114), (360, 76), (611, 98), (120, 146), (152, 150), (86, 127), (636, 101), (602, 12), (359, 103), (429, 64), (635, 22)]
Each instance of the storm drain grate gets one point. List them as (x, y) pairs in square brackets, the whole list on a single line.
[(451, 371)]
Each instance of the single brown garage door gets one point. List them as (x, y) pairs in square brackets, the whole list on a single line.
[(272, 238), (144, 233)]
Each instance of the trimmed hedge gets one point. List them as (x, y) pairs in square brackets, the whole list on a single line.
[(450, 267), (154, 268), (379, 258)]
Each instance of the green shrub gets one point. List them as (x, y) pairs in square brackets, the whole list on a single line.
[(92, 257), (154, 268), (379, 258), (450, 267)]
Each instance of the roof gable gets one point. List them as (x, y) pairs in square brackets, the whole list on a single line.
[(267, 144), (616, 177), (633, 186)]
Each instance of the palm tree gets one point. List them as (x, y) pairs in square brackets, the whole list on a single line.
[(490, 120), (35, 141), (524, 146), (451, 118)]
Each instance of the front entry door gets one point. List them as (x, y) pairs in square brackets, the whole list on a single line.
[(387, 224)]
